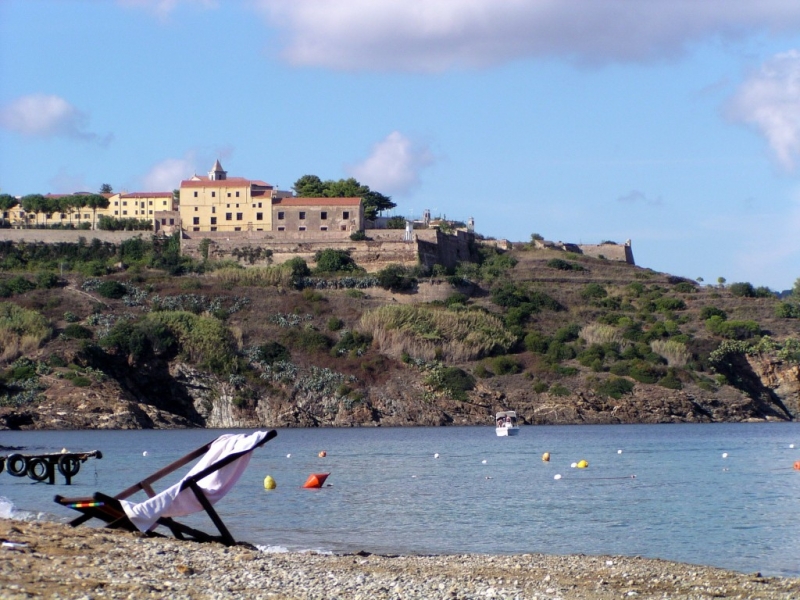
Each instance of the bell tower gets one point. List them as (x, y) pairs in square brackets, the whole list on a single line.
[(217, 173)]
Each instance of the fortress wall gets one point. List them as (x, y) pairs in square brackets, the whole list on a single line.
[(616, 252), (69, 236)]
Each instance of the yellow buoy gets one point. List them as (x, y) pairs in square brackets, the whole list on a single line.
[(323, 454), (546, 457), (269, 483), (582, 464)]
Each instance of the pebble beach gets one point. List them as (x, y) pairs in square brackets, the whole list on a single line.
[(55, 561)]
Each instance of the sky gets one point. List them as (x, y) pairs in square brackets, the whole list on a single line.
[(672, 123)]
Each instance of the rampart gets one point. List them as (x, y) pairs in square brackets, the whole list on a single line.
[(606, 250), (69, 236), (381, 248)]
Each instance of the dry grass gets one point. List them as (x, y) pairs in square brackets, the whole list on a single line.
[(675, 352), (597, 333), (254, 276), (428, 333), (21, 331)]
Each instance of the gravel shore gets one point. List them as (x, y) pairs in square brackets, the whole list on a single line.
[(51, 560)]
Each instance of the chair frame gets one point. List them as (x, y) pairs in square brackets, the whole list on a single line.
[(109, 509)]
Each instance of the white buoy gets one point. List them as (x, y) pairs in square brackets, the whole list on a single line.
[(483, 462), (556, 476), (724, 455), (791, 445), (436, 455), (619, 451), (288, 456), (574, 465), (413, 477), (144, 453)]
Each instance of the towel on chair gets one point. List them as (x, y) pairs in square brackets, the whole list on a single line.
[(173, 502)]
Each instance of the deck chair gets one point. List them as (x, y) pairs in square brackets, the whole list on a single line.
[(223, 462)]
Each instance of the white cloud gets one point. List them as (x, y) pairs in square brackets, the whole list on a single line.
[(434, 35), (45, 115), (393, 166), (167, 175), (164, 8), (769, 101), (637, 197)]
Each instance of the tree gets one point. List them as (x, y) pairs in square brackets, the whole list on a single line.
[(721, 281), (33, 203), (796, 289), (95, 201), (106, 189), (7, 202), (311, 186)]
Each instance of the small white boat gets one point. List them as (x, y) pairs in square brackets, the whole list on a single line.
[(506, 423)]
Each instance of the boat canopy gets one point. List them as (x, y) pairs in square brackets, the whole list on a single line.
[(507, 414)]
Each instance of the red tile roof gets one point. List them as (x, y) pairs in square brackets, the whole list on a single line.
[(147, 195), (316, 201), (204, 181)]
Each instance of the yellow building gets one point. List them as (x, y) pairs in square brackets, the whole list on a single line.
[(220, 203), (138, 205)]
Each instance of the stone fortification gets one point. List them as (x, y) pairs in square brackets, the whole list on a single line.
[(606, 250), (68, 236), (381, 248)]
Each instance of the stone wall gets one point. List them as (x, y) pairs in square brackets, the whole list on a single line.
[(384, 247), (70, 236), (617, 252)]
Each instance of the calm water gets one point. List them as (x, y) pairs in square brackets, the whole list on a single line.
[(388, 493)]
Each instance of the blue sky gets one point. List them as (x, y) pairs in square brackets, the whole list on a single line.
[(672, 123)]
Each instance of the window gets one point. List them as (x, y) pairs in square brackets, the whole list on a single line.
[(213, 194), (195, 194), (346, 214), (302, 228), (172, 221), (229, 194), (259, 205), (196, 209), (323, 215), (228, 216), (124, 203), (237, 228), (149, 203), (213, 210), (280, 215), (213, 220), (124, 212), (237, 206), (302, 214), (116, 203), (237, 194), (281, 228), (344, 227), (196, 221), (86, 216), (324, 228), (227, 205), (163, 221), (195, 229), (238, 216), (259, 216), (141, 205), (213, 229)]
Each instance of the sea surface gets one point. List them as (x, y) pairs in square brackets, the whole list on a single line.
[(724, 495)]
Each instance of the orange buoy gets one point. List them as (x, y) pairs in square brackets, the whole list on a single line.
[(315, 480), (797, 465), (322, 454)]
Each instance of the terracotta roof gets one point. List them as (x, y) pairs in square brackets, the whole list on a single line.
[(221, 183), (316, 201), (147, 195)]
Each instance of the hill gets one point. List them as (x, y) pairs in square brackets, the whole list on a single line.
[(134, 335)]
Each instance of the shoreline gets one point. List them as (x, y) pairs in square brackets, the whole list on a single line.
[(53, 560)]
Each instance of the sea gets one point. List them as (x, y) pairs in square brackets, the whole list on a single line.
[(724, 495)]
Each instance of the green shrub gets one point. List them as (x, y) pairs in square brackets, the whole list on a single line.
[(614, 387), (20, 285), (309, 340), (568, 333), (312, 295), (593, 291), (112, 289), (670, 381), (536, 342), (505, 365), (712, 311), (787, 310), (685, 287), (297, 267), (353, 293), (46, 280), (742, 290), (395, 223), (666, 303), (272, 352), (644, 372), (540, 387), (556, 351), (330, 260), (481, 371), (396, 278), (352, 342), (733, 330), (358, 236), (77, 332), (453, 381), (335, 324), (455, 300), (563, 265), (559, 390)]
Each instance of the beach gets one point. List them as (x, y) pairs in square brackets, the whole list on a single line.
[(53, 560)]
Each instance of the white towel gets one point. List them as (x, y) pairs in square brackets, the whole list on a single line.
[(175, 503)]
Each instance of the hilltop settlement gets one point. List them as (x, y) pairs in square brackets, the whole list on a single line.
[(230, 303)]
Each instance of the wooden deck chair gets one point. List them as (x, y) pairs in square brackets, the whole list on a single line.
[(222, 463)]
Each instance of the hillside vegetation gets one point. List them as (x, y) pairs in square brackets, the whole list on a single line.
[(136, 335)]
